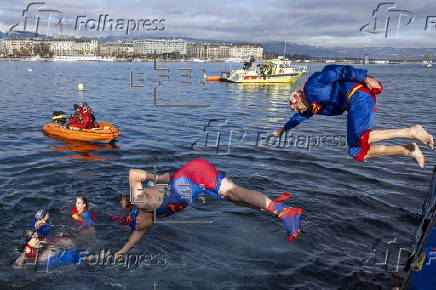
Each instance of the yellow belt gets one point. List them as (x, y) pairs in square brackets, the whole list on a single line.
[(353, 91)]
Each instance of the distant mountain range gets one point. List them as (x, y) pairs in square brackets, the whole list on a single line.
[(388, 53)]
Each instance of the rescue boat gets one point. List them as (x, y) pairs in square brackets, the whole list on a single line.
[(277, 70), (106, 132)]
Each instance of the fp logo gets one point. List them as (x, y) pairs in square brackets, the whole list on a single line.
[(34, 16), (388, 20)]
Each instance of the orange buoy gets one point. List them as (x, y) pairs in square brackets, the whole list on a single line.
[(105, 132), (213, 79)]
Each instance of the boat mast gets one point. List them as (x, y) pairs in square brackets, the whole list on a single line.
[(284, 52)]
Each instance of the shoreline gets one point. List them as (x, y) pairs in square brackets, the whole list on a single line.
[(207, 61)]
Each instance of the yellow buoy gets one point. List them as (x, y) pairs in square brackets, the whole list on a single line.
[(80, 87)]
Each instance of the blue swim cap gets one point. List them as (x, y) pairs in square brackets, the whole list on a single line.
[(40, 214)]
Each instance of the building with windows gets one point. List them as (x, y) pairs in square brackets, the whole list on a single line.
[(147, 47), (245, 50), (160, 46), (17, 47), (116, 49), (70, 46)]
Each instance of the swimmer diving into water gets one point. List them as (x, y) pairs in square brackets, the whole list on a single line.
[(194, 178), (340, 88)]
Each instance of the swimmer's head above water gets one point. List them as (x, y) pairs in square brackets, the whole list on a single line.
[(31, 239), (29, 234), (82, 204), (125, 202), (42, 215)]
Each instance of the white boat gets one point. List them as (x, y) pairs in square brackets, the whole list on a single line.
[(278, 70), (233, 59), (34, 58), (107, 59), (89, 57), (196, 60)]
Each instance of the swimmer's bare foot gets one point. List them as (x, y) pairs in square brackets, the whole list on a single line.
[(419, 133), (415, 153)]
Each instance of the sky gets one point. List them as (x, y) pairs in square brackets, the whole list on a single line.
[(326, 23)]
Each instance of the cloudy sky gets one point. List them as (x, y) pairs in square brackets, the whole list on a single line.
[(328, 23)]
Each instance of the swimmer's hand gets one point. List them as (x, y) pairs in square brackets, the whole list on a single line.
[(278, 132), (372, 83), (20, 261), (120, 254)]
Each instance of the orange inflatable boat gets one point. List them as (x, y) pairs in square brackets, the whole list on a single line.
[(105, 132)]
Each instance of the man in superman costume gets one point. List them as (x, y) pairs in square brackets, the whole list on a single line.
[(185, 186), (340, 88)]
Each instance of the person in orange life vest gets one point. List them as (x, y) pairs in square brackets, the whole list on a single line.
[(340, 88), (202, 178), (81, 214)]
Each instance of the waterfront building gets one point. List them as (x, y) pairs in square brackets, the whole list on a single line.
[(160, 46), (116, 49), (246, 50)]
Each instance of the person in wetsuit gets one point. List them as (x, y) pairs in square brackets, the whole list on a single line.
[(340, 88), (184, 187)]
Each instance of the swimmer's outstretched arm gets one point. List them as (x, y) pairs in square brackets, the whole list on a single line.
[(144, 221), (135, 237)]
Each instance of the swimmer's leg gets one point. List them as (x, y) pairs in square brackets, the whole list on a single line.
[(360, 136), (240, 195), (291, 216), (415, 132), (411, 150)]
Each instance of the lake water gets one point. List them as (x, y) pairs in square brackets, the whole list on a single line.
[(348, 205)]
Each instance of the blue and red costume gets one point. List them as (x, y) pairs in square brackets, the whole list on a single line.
[(198, 177), (85, 219), (334, 90), (42, 230)]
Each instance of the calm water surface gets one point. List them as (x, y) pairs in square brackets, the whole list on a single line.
[(348, 205)]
